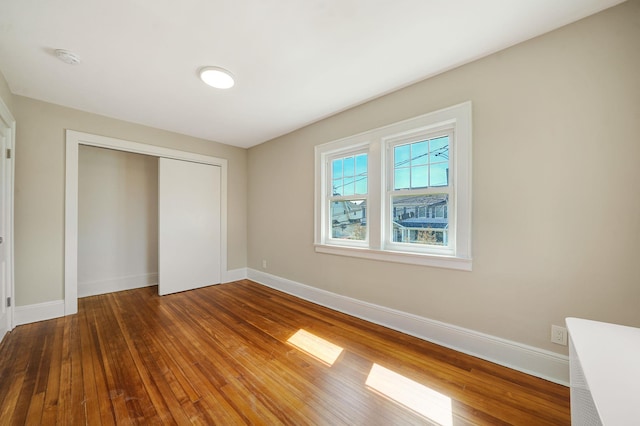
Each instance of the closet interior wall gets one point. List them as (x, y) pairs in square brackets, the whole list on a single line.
[(117, 220)]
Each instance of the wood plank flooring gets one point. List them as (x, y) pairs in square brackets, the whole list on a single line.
[(222, 355)]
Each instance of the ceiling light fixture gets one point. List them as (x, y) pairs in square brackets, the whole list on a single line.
[(217, 77), (67, 57)]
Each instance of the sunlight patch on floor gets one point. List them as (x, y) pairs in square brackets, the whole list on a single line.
[(316, 346), (411, 394)]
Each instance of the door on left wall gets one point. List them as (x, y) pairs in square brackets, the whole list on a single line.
[(6, 185)]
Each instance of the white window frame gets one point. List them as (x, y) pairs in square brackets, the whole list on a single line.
[(331, 198), (378, 143), (390, 143)]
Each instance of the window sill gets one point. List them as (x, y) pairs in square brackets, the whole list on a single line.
[(449, 262)]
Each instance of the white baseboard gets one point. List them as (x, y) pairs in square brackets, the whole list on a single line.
[(235, 275), (93, 288), (38, 312), (528, 359), (55, 309), (131, 282)]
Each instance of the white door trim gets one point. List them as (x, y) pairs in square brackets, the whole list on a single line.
[(74, 140), (8, 127)]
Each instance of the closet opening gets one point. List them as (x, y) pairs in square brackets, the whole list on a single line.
[(139, 215), (117, 220)]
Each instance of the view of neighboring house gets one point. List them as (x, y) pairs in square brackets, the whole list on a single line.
[(349, 219), (421, 219), (416, 219)]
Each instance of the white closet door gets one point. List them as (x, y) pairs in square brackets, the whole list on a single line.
[(189, 225)]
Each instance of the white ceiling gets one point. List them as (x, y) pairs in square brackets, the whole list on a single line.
[(295, 61)]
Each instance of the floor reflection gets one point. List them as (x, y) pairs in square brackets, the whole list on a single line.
[(413, 395), (315, 346)]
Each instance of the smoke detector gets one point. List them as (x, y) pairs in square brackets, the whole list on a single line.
[(67, 57)]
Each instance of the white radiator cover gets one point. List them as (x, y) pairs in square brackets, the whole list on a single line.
[(604, 372), (583, 409)]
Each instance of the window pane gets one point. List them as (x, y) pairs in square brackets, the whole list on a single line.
[(401, 155), (410, 224), (361, 174), (427, 163), (439, 174), (348, 186), (349, 169), (439, 149), (348, 220), (361, 186), (361, 164), (419, 153), (419, 177), (401, 179), (337, 187), (349, 175), (336, 166)]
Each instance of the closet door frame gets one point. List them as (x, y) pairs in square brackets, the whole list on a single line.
[(73, 140)]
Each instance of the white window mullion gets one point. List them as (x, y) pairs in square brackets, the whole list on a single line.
[(375, 211)]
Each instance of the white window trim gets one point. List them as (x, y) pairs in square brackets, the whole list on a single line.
[(376, 142)]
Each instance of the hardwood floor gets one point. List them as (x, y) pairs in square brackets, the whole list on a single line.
[(224, 355)]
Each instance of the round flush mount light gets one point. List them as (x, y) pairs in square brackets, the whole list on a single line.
[(217, 77), (67, 57)]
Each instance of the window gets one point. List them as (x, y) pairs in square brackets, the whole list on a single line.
[(399, 193), (348, 197), (420, 191)]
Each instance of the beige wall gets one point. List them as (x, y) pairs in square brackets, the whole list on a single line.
[(39, 190), (556, 196), (117, 219)]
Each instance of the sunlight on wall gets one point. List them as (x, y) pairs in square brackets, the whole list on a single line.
[(419, 398), (316, 346)]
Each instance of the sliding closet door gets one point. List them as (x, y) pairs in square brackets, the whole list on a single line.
[(189, 225)]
